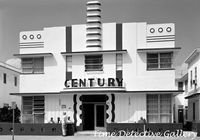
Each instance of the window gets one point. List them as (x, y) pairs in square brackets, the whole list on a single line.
[(180, 85), (33, 109), (194, 110), (159, 108), (159, 61), (195, 77), (118, 61), (69, 63), (15, 80), (191, 79), (186, 112), (4, 78), (33, 65), (186, 86), (93, 63)]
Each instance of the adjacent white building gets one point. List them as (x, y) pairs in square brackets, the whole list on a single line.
[(193, 97), (99, 72), (9, 82)]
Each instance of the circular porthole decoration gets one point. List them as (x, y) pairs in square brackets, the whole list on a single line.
[(152, 30), (39, 36), (31, 36), (24, 37), (160, 30), (169, 29)]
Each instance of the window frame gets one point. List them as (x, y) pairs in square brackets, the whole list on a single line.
[(90, 64), (159, 59), (34, 69)]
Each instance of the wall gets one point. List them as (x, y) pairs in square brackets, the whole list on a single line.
[(134, 37), (129, 108), (135, 63), (191, 67), (195, 100), (9, 87), (55, 105), (54, 66)]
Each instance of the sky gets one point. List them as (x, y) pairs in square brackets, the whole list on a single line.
[(25, 15)]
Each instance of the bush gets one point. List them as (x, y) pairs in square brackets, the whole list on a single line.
[(6, 114)]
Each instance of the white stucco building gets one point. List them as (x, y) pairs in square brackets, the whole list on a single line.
[(193, 97), (100, 72), (9, 82)]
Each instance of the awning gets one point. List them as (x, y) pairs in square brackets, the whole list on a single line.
[(95, 52), (34, 93), (102, 90), (144, 50), (122, 91), (33, 55)]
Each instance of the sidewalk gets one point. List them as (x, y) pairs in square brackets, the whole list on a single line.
[(9, 137)]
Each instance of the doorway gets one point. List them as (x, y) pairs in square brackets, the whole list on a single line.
[(94, 112), (180, 116), (88, 116)]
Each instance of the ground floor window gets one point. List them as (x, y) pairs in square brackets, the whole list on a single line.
[(159, 108), (33, 109)]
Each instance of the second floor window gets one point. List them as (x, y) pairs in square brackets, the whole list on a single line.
[(119, 61), (94, 63), (33, 65), (69, 63), (15, 80), (159, 61)]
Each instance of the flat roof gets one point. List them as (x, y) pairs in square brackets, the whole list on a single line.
[(192, 55), (158, 49), (9, 67)]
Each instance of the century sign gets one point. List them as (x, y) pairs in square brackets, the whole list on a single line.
[(94, 82)]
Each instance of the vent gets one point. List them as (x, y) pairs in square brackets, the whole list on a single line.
[(93, 26)]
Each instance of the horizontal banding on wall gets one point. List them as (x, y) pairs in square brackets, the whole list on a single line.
[(93, 24)]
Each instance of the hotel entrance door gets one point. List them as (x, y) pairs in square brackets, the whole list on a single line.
[(94, 112)]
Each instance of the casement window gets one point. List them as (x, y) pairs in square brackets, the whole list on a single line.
[(159, 108), (93, 62), (159, 61), (4, 78), (33, 109), (118, 61), (33, 65)]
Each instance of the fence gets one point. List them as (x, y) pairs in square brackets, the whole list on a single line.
[(32, 129)]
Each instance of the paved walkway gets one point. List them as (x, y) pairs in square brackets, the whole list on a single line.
[(89, 138)]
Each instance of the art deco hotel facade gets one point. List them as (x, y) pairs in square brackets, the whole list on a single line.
[(99, 72)]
